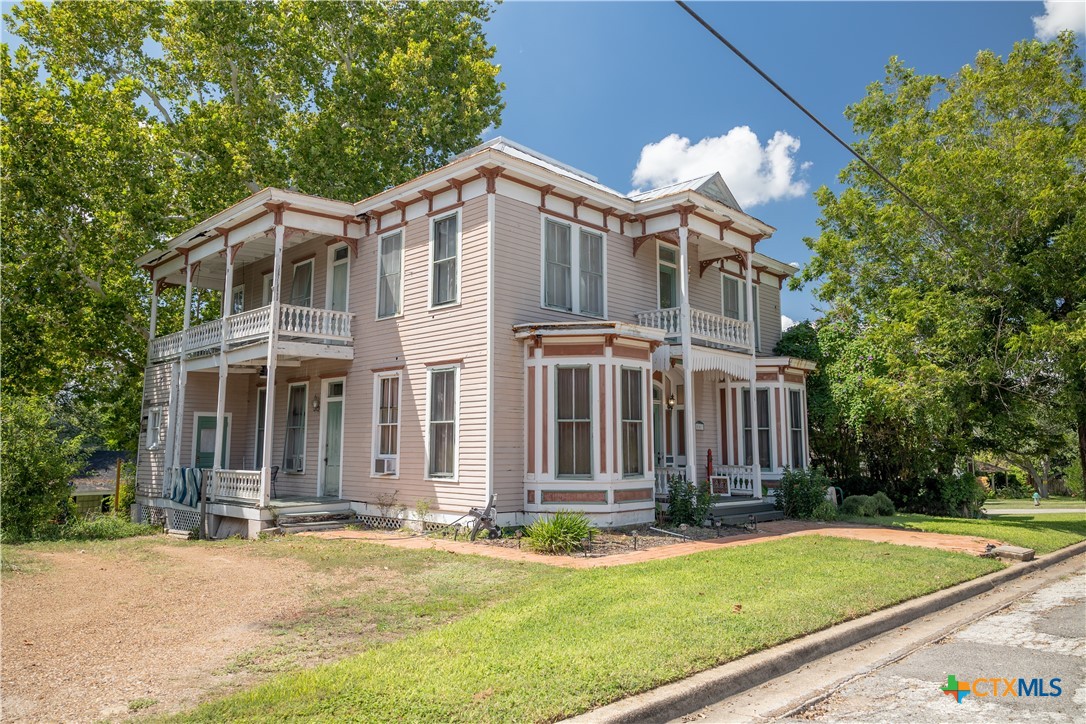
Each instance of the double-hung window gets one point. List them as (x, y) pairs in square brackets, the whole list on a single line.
[(445, 260), (573, 260), (301, 287), (442, 423), (266, 289), (795, 429), (667, 269), (261, 408), (155, 418), (294, 450), (764, 450), (574, 422), (733, 294), (633, 433), (237, 300), (390, 276), (387, 431)]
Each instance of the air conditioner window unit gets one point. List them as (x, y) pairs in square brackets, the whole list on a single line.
[(385, 466)]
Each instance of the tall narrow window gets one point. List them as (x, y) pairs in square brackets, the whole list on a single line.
[(764, 450), (339, 275), (442, 452), (301, 287), (294, 450), (261, 407), (387, 399), (389, 275), (591, 297), (795, 428), (445, 253), (633, 436), (557, 285), (266, 289), (668, 267), (237, 300), (732, 293), (754, 318), (154, 428), (574, 422)]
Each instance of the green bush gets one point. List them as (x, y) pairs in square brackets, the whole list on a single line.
[(801, 492), (961, 495), (563, 532), (687, 503), (825, 511), (97, 527), (854, 505), (36, 465), (882, 504)]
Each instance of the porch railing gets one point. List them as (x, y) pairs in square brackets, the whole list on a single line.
[(735, 481), (703, 325), (321, 325), (663, 478), (239, 485)]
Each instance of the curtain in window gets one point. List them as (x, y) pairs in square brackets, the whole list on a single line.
[(574, 420), (442, 423), (294, 450), (389, 276), (445, 257), (632, 423), (558, 291), (591, 273), (301, 289)]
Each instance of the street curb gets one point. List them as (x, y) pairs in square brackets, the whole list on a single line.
[(707, 687)]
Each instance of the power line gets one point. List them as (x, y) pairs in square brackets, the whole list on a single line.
[(810, 115)]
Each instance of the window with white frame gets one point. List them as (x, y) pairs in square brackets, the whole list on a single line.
[(386, 400), (301, 287), (765, 452), (573, 269), (633, 426), (444, 257), (441, 425), (339, 278), (755, 316), (294, 449), (573, 420), (390, 275), (266, 289), (237, 300), (733, 294), (155, 419), (795, 429), (261, 408), (667, 265)]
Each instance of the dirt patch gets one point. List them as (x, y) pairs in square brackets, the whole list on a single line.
[(97, 629)]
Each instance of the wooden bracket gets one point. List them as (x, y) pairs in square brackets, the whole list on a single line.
[(639, 241), (706, 263), (491, 175)]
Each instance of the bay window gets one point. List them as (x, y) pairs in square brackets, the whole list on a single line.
[(573, 420), (633, 436)]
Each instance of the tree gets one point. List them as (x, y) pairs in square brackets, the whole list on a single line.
[(125, 123), (36, 464), (980, 316)]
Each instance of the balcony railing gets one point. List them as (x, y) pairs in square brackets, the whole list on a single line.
[(319, 325), (238, 485), (706, 326)]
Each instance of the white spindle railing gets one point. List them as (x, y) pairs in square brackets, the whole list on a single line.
[(312, 322), (239, 485), (204, 337), (663, 479), (246, 326), (703, 325), (735, 480), (166, 347)]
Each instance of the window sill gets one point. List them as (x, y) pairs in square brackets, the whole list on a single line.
[(444, 305), (398, 315), (575, 314), (432, 479), (384, 476)]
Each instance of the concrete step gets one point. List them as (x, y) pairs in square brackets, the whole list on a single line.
[(319, 525), (315, 516), (741, 519)]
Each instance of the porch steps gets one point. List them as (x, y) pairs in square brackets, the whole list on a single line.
[(315, 520), (739, 513)]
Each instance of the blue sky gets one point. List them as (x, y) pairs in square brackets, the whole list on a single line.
[(592, 84)]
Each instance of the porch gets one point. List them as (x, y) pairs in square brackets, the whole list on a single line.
[(706, 328)]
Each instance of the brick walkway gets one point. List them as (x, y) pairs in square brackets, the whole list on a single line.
[(766, 532)]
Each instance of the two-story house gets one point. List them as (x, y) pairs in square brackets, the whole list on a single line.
[(502, 326)]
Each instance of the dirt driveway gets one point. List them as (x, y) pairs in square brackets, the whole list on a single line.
[(89, 634)]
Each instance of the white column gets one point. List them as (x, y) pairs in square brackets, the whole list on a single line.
[(183, 375), (152, 324), (220, 406), (754, 453), (688, 376), (273, 342)]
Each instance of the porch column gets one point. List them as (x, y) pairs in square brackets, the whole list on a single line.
[(755, 456), (183, 375), (273, 342), (220, 407), (688, 374), (152, 324)]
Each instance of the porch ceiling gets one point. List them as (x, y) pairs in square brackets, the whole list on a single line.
[(211, 273)]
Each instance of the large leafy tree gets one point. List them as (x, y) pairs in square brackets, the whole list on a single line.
[(124, 123), (979, 317)]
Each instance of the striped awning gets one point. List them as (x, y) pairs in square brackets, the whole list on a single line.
[(703, 359)]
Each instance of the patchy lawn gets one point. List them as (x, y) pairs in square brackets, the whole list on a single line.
[(1043, 533), (560, 642)]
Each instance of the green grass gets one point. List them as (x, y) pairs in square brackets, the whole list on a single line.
[(1042, 533), (559, 642), (1053, 501)]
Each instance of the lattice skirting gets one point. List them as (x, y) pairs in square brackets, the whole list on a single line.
[(184, 519), (152, 514), (390, 523)]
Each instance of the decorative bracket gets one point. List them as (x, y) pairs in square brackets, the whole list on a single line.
[(639, 241), (706, 263)]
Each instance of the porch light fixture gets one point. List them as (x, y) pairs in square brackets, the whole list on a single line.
[(699, 426), (671, 401), (316, 403)]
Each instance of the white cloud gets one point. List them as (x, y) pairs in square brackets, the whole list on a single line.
[(787, 322), (755, 173), (1060, 15)]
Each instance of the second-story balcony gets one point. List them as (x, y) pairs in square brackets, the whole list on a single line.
[(714, 330), (326, 329)]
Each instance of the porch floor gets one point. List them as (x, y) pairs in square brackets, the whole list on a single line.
[(292, 501)]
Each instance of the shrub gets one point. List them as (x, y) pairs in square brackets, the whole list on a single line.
[(825, 511), (97, 527), (961, 495), (882, 504), (561, 533), (854, 505), (687, 503), (801, 492)]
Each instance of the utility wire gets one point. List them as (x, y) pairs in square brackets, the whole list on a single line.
[(810, 115)]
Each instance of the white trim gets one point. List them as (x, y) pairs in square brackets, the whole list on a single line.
[(375, 424), (488, 465), (403, 248), (229, 434), (593, 421), (259, 432), (788, 389), (455, 369), (266, 287), (234, 290), (330, 266), (305, 429), (619, 433), (312, 280), (656, 270), (575, 231), (459, 259), (774, 463), (154, 414), (322, 434)]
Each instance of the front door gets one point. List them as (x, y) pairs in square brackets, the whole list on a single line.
[(205, 441), (332, 461), (658, 425)]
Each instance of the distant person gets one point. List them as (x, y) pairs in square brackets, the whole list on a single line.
[(1036, 498)]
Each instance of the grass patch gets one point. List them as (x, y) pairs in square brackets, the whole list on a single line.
[(561, 642), (1042, 533), (138, 704), (1053, 501), (98, 527)]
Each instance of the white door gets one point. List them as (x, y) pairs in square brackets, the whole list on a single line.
[(332, 460)]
